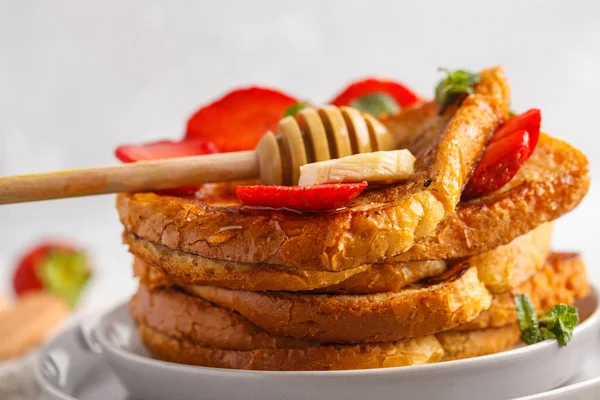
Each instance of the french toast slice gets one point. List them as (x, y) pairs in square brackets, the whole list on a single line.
[(550, 183), (191, 319), (508, 266), (186, 329), (562, 280), (157, 266), (321, 358), (361, 280), (479, 342), (444, 302), (500, 269), (378, 224)]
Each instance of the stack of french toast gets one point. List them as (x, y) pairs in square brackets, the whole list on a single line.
[(406, 273)]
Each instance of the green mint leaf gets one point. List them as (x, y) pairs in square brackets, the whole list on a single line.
[(560, 321), (292, 110), (547, 333), (376, 104), (532, 335), (525, 312), (454, 86), (528, 322)]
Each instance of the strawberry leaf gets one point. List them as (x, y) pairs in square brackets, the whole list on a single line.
[(454, 86)]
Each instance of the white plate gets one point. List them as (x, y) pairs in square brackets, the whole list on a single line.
[(68, 369)]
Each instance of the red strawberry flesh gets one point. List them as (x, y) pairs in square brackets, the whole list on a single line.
[(240, 119), (403, 96), (326, 197)]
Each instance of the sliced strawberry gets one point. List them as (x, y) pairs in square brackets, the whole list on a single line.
[(56, 267), (25, 277), (512, 144), (167, 149), (400, 93), (300, 198), (529, 121), (238, 120), (499, 164)]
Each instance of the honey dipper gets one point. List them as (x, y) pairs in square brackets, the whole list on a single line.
[(314, 134)]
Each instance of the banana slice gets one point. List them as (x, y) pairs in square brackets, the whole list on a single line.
[(380, 166)]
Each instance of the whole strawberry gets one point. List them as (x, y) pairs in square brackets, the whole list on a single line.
[(56, 267)]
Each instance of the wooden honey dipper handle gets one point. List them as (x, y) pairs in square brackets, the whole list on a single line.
[(313, 135), (141, 176)]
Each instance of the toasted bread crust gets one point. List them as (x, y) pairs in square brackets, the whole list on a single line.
[(458, 345), (551, 183), (185, 329), (380, 278), (562, 280), (376, 225), (455, 298), (500, 269), (381, 355), (168, 319), (192, 319), (159, 266), (506, 267)]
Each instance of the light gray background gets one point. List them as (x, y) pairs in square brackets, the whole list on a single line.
[(77, 78)]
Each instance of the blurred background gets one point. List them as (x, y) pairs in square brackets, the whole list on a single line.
[(79, 78)]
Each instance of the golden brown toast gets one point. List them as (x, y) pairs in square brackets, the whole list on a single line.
[(158, 266), (508, 266), (378, 224), (500, 269), (361, 280), (191, 318), (363, 356), (480, 342), (562, 280), (446, 301), (186, 329), (551, 183)]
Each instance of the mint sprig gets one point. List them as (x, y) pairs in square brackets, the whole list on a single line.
[(558, 323), (454, 86)]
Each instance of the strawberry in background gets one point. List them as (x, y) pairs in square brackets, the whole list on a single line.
[(55, 267), (238, 120), (235, 122), (376, 96), (164, 149)]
